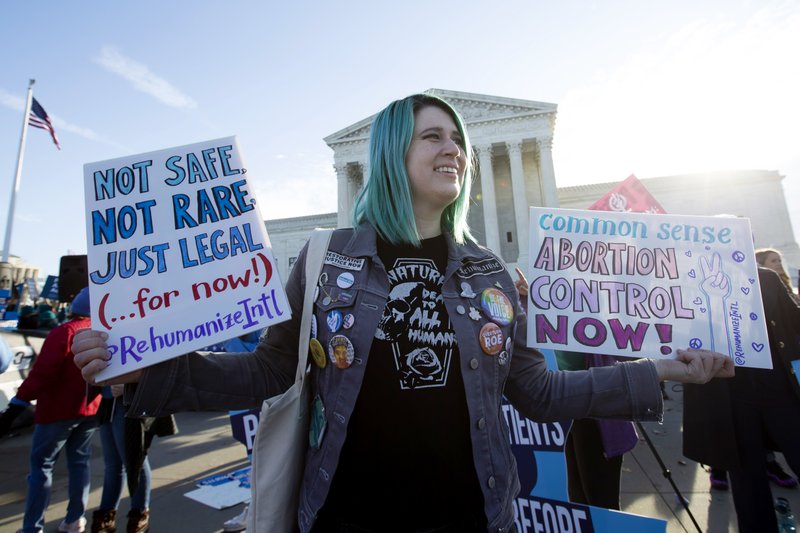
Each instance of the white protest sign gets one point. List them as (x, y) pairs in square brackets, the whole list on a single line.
[(644, 285), (179, 257)]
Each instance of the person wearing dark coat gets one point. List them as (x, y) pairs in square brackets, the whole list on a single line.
[(727, 424)]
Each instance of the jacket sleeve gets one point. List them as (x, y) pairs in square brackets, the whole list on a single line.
[(782, 315), (627, 390), (226, 381), (48, 366)]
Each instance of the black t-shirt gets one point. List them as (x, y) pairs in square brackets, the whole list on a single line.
[(407, 461)]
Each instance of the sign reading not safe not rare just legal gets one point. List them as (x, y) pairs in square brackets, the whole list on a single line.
[(644, 285), (178, 254)]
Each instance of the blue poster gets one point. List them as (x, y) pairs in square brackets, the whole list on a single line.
[(33, 290), (50, 289), (542, 503), (244, 425)]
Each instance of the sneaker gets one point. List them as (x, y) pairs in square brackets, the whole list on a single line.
[(238, 522), (78, 526), (778, 476), (718, 479)]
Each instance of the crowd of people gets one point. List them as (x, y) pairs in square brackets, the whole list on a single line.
[(68, 413), (409, 409)]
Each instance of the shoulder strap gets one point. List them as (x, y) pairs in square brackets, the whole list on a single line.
[(317, 247)]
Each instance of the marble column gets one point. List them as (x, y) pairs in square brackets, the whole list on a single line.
[(520, 196), (343, 195), (364, 165), (546, 172), (489, 201)]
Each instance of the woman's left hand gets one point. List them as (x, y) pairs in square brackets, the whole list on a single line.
[(695, 366)]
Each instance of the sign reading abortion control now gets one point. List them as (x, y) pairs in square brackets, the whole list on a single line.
[(645, 285), (179, 257)]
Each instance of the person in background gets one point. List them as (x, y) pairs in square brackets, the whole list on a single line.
[(411, 436), (594, 448), (727, 424), (111, 417), (718, 477), (47, 318), (773, 260), (28, 318), (65, 409)]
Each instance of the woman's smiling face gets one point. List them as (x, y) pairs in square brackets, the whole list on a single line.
[(435, 161)]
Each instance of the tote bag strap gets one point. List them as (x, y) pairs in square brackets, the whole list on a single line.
[(317, 248)]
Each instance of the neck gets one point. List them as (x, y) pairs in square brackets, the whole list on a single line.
[(428, 226)]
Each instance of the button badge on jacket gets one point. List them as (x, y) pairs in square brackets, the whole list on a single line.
[(317, 353), (340, 351), (497, 307), (491, 338)]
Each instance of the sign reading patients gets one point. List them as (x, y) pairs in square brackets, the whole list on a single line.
[(638, 284), (179, 257), (542, 504)]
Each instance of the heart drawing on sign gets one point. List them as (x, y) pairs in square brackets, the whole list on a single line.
[(757, 346)]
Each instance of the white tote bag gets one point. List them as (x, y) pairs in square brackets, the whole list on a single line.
[(281, 441)]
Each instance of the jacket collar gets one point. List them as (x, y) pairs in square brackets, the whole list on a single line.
[(363, 243)]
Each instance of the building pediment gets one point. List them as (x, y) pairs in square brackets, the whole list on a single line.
[(474, 108)]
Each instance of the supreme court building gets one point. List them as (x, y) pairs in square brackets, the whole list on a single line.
[(512, 140)]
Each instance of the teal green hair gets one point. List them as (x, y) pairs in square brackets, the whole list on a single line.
[(385, 200)]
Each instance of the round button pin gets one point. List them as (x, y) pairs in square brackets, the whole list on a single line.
[(345, 280), (348, 321), (341, 352), (460, 309), (334, 320), (317, 353), (497, 306), (502, 359), (491, 338)]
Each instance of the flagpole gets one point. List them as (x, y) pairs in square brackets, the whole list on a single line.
[(20, 154)]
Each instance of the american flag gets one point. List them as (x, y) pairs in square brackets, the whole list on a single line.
[(38, 118)]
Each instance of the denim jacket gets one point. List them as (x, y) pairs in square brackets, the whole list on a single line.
[(241, 381)]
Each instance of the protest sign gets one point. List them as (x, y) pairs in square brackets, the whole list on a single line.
[(543, 503), (50, 289), (629, 195), (644, 285), (179, 256)]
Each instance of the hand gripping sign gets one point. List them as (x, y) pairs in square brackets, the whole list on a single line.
[(178, 254)]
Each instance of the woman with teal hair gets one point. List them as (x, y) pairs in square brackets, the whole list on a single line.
[(391, 201), (419, 336)]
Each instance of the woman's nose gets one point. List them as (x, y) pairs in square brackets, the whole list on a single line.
[(452, 147)]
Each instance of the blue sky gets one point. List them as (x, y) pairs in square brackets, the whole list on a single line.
[(642, 87)]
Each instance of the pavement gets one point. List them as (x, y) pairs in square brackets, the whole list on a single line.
[(204, 447)]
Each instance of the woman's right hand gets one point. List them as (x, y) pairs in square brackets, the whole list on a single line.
[(91, 356)]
